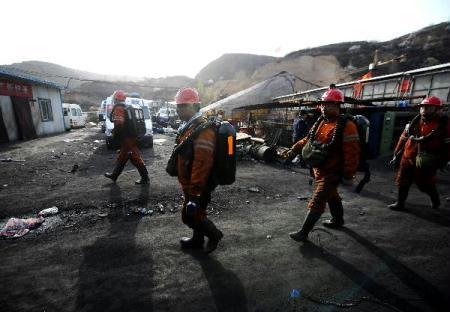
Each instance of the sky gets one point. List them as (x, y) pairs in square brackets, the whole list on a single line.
[(167, 37)]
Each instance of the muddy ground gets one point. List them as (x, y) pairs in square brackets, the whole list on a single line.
[(98, 255)]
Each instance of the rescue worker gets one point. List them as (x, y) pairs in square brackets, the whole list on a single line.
[(300, 127), (194, 165), (335, 160), (425, 144), (128, 142)]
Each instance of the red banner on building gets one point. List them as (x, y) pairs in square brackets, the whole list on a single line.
[(14, 88)]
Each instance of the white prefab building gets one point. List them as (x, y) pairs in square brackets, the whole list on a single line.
[(30, 107)]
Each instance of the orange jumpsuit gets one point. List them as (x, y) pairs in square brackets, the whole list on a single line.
[(438, 144), (128, 143), (342, 162), (195, 163)]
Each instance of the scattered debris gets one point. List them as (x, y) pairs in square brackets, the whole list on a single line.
[(11, 160), (268, 197), (99, 141), (103, 214), (247, 202), (302, 197), (254, 190), (269, 237), (361, 213), (142, 211), (159, 141), (5, 185), (447, 199), (48, 212), (71, 140), (161, 208), (91, 124), (277, 195), (170, 131), (74, 168), (16, 228)]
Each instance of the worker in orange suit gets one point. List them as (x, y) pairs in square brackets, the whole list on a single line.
[(194, 166), (423, 148), (128, 141), (332, 148)]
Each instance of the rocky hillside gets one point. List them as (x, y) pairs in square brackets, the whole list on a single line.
[(331, 63), (231, 73), (232, 66)]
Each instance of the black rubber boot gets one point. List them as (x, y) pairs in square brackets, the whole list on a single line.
[(195, 242), (337, 216), (434, 196), (213, 233), (144, 175), (401, 199), (308, 224), (116, 172)]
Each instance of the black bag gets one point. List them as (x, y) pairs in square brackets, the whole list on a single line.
[(224, 168), (134, 122), (172, 165)]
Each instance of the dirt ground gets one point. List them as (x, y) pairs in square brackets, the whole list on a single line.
[(98, 255)]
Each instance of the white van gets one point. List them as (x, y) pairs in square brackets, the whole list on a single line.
[(147, 139), (73, 116)]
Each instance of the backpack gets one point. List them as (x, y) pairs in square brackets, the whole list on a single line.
[(224, 167), (135, 121), (363, 126)]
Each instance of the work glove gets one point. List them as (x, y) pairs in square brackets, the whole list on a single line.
[(191, 208), (393, 161), (288, 154), (192, 205)]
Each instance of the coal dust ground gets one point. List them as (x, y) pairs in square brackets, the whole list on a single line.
[(97, 254)]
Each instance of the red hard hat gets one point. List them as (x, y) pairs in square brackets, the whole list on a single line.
[(119, 95), (431, 101), (333, 95), (187, 96)]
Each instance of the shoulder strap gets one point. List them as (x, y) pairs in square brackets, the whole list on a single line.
[(192, 136)]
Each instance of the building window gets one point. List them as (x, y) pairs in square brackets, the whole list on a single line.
[(46, 109)]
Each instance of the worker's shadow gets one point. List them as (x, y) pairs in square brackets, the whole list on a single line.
[(226, 287), (424, 290), (429, 293), (439, 216), (115, 275), (310, 250)]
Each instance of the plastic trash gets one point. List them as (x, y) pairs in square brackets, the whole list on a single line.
[(254, 190), (48, 212), (295, 293), (16, 228)]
